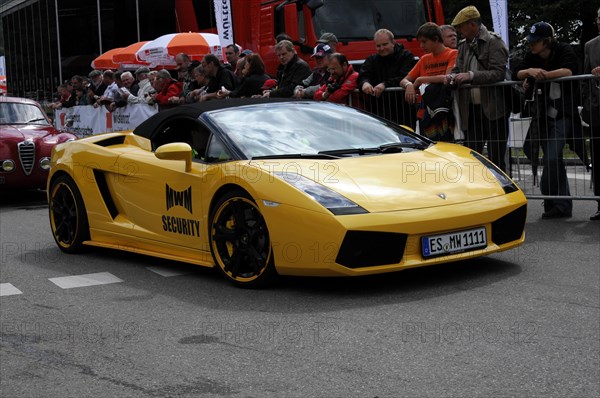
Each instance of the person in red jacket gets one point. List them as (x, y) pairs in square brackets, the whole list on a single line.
[(341, 82), (166, 88)]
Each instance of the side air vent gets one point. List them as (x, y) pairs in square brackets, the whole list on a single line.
[(104, 191), (118, 140)]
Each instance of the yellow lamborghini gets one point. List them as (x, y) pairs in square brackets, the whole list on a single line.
[(258, 188)]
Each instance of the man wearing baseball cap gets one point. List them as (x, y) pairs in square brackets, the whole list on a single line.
[(96, 87), (556, 108), (328, 38), (319, 75), (141, 75), (482, 59)]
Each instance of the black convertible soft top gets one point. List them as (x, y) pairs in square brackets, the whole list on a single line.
[(193, 111)]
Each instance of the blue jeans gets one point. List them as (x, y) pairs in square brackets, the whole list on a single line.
[(554, 177)]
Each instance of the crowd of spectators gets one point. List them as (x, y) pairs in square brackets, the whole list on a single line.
[(480, 58), (241, 74)]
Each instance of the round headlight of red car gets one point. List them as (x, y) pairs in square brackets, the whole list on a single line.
[(8, 165), (45, 163)]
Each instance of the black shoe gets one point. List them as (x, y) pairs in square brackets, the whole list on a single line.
[(555, 213), (596, 216)]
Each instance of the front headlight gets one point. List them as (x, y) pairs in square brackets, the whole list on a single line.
[(45, 163), (331, 200), (8, 165), (507, 184)]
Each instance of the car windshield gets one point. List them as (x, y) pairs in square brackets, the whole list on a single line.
[(359, 19), (17, 113), (307, 128)]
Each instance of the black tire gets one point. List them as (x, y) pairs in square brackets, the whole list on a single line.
[(240, 242), (68, 218)]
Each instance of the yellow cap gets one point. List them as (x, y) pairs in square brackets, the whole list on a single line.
[(466, 14)]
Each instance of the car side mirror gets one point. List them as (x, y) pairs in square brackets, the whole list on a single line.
[(176, 151)]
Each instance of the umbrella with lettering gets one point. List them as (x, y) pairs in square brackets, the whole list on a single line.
[(162, 51), (105, 61), (126, 58)]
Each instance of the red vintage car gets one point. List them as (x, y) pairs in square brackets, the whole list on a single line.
[(26, 141)]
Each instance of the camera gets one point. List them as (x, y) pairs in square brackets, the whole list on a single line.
[(451, 82), (148, 98), (333, 87)]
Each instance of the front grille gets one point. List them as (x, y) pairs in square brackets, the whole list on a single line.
[(27, 156), (370, 249)]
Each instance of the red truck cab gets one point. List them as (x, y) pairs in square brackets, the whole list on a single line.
[(257, 22)]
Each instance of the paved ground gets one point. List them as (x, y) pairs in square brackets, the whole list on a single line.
[(519, 323)]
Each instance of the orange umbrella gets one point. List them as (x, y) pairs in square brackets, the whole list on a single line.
[(162, 51), (105, 61), (126, 56), (3, 86)]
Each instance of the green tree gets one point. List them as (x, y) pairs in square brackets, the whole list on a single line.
[(573, 20)]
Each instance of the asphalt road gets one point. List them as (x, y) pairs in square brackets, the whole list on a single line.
[(520, 323)]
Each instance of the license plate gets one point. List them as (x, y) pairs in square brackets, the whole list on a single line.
[(454, 242)]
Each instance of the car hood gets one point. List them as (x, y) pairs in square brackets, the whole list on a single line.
[(394, 182), (18, 132)]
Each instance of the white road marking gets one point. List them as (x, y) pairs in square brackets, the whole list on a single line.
[(7, 289), (100, 278), (167, 272)]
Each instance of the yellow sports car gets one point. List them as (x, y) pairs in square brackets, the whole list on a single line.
[(258, 188)]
